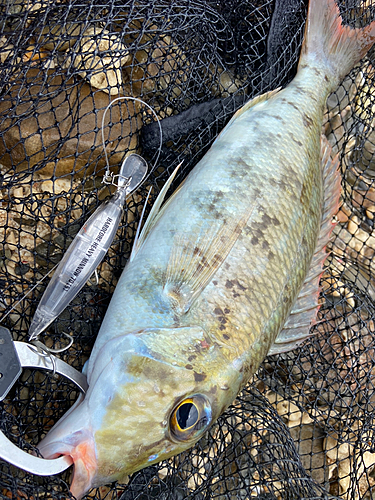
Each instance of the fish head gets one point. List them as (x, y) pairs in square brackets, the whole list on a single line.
[(168, 396), (152, 395)]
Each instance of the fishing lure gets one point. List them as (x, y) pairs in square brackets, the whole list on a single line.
[(87, 249), (94, 239)]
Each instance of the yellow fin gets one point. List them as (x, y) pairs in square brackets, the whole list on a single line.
[(192, 264)]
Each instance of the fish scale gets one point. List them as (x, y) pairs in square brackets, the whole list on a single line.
[(197, 206), (216, 177), (213, 282)]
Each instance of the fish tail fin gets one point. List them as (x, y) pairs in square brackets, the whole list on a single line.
[(331, 44)]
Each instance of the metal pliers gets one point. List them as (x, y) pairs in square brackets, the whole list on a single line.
[(13, 357)]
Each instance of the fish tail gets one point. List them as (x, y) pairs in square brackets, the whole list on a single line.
[(330, 44)]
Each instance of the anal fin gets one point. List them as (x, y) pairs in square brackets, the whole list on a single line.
[(304, 312), (249, 104), (256, 100)]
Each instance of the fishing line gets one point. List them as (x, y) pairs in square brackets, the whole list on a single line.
[(28, 293), (108, 174)]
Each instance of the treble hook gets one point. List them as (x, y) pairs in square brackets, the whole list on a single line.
[(46, 352)]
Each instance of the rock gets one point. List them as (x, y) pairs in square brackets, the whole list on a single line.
[(53, 125)]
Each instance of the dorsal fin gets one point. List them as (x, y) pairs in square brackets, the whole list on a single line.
[(303, 314), (152, 218), (253, 102)]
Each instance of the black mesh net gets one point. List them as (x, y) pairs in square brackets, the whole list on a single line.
[(303, 428)]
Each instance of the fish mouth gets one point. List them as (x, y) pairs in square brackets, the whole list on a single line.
[(80, 446)]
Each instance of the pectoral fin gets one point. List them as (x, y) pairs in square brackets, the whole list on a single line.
[(175, 345), (193, 262)]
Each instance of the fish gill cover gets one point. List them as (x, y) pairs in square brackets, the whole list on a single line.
[(304, 427)]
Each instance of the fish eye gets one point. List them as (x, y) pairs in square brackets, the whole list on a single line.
[(186, 415), (190, 418)]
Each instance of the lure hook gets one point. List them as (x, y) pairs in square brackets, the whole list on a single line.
[(42, 350), (46, 352)]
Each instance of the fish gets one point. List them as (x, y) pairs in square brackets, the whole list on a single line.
[(224, 272)]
